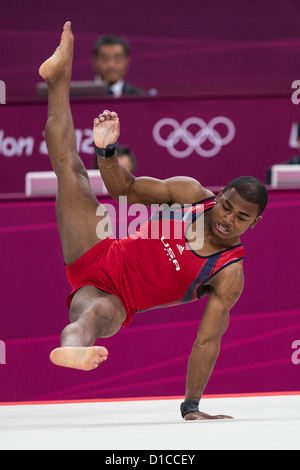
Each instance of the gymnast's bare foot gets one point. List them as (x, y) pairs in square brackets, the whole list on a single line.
[(60, 63), (79, 358)]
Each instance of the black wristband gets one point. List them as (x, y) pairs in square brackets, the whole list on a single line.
[(109, 151), (189, 406)]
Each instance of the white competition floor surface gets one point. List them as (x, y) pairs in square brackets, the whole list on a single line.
[(261, 422)]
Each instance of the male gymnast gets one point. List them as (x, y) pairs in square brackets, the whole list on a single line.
[(112, 280)]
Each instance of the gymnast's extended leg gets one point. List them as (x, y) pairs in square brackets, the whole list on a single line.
[(93, 313)]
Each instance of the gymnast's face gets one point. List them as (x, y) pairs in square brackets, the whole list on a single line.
[(232, 215)]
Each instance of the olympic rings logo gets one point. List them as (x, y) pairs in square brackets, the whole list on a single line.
[(207, 132)]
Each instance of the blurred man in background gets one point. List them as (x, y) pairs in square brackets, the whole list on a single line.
[(111, 59)]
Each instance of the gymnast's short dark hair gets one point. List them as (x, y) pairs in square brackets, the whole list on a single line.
[(110, 39), (251, 189)]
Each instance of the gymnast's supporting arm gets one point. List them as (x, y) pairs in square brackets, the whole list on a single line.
[(227, 288)]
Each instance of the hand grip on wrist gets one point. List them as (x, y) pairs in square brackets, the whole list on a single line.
[(109, 151), (189, 406)]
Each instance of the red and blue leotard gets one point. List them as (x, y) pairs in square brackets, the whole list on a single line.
[(155, 267)]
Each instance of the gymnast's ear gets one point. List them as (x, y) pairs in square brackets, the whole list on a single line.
[(255, 221), (220, 193)]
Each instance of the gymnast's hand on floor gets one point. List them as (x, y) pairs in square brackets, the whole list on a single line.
[(106, 129), (200, 416)]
